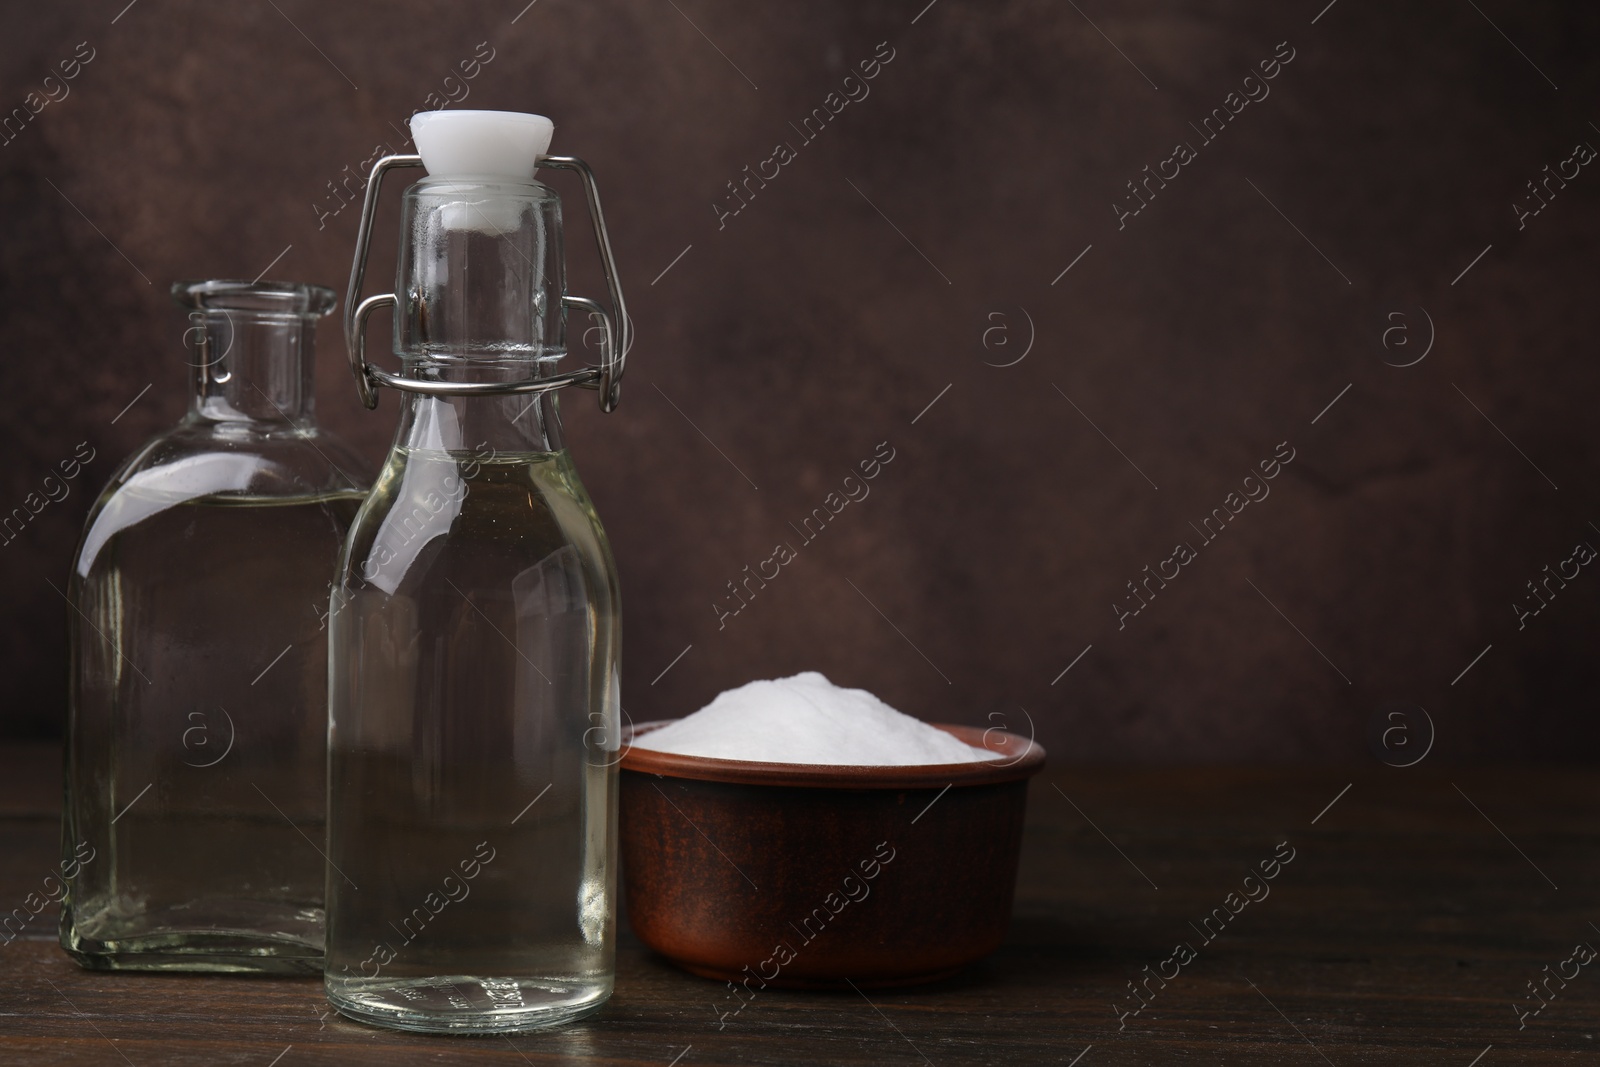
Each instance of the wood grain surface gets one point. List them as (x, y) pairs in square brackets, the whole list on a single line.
[(1403, 930)]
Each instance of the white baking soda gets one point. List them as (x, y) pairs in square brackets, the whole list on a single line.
[(807, 719)]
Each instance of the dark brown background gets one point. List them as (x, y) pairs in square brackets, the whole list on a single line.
[(808, 330)]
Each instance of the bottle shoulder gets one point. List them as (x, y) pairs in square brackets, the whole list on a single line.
[(200, 457), (198, 463), (436, 513)]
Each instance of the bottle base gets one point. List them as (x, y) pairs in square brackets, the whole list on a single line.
[(293, 947), (462, 1004), (184, 954)]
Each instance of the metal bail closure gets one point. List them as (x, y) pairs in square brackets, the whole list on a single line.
[(616, 328)]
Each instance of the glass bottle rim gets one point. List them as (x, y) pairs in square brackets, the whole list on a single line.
[(270, 297)]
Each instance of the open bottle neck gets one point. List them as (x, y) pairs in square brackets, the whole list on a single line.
[(252, 367), (250, 348)]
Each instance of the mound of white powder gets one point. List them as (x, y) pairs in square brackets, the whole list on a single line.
[(808, 719)]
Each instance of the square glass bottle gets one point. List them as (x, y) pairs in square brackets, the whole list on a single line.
[(197, 732)]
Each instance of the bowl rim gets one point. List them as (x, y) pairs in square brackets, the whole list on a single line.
[(845, 776)]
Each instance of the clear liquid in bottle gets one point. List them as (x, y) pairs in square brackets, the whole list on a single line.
[(474, 735)]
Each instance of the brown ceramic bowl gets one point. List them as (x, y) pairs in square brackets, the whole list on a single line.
[(798, 875)]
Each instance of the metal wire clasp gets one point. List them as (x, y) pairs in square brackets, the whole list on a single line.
[(616, 328)]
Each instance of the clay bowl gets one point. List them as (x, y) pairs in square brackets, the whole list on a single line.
[(796, 875)]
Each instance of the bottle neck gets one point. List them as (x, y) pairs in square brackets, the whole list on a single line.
[(480, 289), (480, 273), (504, 424), (251, 366)]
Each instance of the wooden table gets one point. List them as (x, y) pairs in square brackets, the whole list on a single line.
[(1404, 930)]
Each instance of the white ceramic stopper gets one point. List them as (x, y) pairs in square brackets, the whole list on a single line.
[(482, 146)]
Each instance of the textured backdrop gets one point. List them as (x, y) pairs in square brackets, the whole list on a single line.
[(1083, 267)]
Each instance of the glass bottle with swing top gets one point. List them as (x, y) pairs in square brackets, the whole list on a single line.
[(473, 671)]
